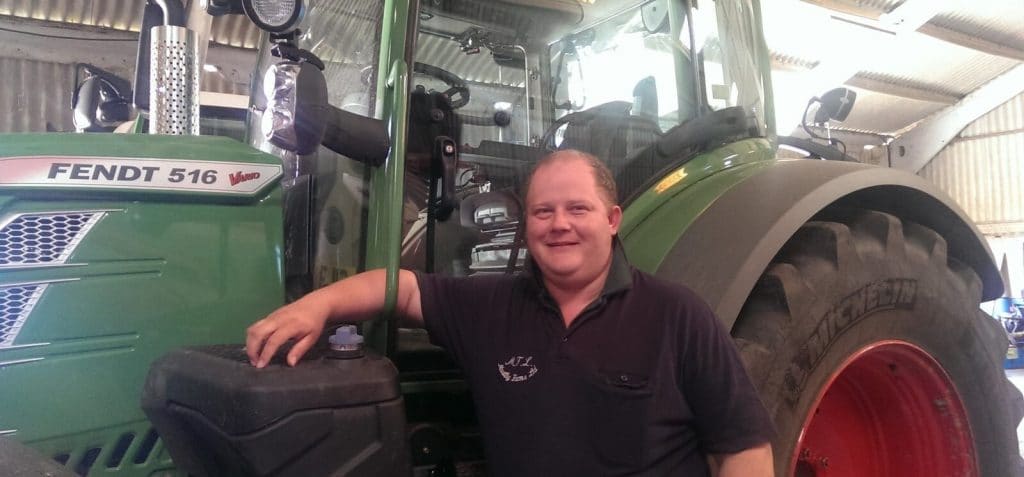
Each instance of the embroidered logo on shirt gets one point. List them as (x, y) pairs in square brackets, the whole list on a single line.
[(517, 368)]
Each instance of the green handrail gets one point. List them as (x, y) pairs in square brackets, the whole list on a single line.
[(388, 237)]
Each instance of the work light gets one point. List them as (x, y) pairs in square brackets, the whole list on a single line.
[(275, 16)]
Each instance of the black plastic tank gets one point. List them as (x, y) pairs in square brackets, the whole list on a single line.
[(220, 416)]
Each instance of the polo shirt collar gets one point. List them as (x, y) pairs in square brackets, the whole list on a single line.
[(620, 274)]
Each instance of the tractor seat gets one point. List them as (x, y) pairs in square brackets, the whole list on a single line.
[(609, 131)]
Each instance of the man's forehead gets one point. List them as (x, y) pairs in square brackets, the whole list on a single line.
[(570, 169), (563, 167)]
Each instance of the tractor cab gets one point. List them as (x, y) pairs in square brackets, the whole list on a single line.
[(509, 82), (489, 88), (643, 87)]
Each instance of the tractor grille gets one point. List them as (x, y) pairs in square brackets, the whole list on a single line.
[(35, 239), (44, 238), (16, 302)]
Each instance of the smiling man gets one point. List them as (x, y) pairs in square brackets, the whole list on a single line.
[(582, 365)]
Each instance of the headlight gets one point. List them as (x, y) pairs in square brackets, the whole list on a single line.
[(278, 122), (275, 16), (296, 96), (279, 81)]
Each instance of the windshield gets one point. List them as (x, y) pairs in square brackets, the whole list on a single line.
[(727, 46), (630, 57), (504, 82), (508, 81)]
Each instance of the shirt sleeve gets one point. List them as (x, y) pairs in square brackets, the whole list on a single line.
[(729, 415), (453, 310)]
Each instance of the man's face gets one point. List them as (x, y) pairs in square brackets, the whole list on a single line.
[(569, 226)]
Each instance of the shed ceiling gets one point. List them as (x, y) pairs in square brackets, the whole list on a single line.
[(901, 79)]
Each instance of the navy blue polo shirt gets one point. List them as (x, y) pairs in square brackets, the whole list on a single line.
[(645, 381)]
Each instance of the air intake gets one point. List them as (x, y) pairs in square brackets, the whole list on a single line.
[(16, 302), (43, 238)]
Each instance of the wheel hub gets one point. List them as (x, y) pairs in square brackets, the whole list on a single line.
[(890, 409)]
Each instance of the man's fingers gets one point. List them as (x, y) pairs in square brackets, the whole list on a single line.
[(265, 337), (300, 348), (255, 336), (274, 341)]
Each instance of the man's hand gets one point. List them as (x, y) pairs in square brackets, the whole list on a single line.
[(302, 321), (356, 298), (753, 462)]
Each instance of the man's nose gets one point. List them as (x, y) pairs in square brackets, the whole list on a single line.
[(560, 220)]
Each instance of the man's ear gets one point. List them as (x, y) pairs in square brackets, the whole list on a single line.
[(615, 218)]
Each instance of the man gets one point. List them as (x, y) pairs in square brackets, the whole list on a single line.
[(581, 366)]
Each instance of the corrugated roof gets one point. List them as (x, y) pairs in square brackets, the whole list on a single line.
[(114, 14), (235, 30), (937, 88), (913, 62), (887, 114), (998, 21), (123, 15), (922, 58)]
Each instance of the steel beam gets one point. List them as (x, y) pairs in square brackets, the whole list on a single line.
[(916, 148), (969, 41), (901, 89), (848, 57)]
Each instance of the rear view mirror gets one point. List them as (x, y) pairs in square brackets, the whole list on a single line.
[(100, 101), (835, 105)]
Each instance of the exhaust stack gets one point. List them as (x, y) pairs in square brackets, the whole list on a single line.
[(174, 81)]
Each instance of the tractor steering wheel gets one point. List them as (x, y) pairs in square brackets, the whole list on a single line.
[(455, 84)]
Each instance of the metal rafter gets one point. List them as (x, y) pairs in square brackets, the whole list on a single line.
[(916, 148), (849, 57), (966, 40), (902, 89)]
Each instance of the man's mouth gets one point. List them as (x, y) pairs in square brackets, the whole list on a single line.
[(561, 244)]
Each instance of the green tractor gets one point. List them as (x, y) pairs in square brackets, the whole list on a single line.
[(397, 134)]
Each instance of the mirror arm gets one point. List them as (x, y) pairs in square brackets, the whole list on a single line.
[(357, 137)]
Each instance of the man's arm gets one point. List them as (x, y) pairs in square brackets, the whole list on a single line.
[(753, 462), (357, 298)]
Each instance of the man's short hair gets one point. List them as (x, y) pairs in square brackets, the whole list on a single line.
[(602, 175)]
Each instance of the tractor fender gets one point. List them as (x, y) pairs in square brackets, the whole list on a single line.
[(728, 246)]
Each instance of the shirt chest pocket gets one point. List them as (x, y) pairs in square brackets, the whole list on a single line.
[(620, 414), (625, 384)]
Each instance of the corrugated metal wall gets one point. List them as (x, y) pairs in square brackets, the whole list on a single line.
[(35, 94), (983, 169), (124, 15), (1008, 118)]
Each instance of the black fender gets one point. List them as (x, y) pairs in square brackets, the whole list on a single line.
[(727, 248)]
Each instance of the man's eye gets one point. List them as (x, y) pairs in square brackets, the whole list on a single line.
[(578, 209), (542, 213)]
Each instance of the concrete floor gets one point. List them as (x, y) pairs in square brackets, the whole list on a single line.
[(1016, 377)]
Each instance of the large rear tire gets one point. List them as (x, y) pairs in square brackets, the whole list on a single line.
[(868, 347)]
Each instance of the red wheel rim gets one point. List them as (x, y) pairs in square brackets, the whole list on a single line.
[(890, 409)]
